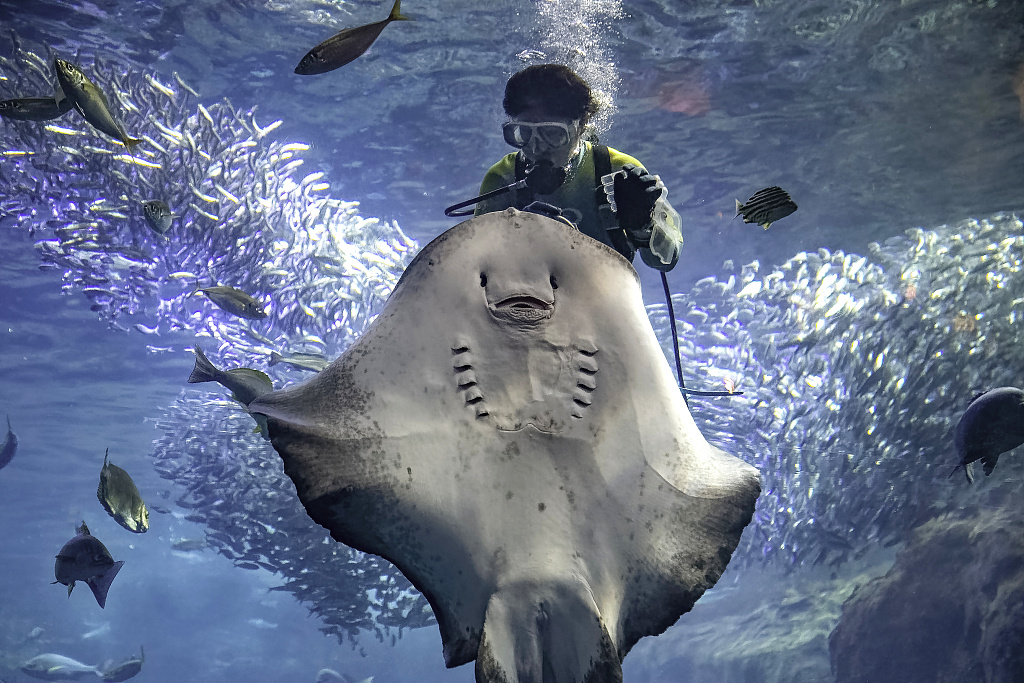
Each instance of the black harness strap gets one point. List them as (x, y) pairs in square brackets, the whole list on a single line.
[(602, 167)]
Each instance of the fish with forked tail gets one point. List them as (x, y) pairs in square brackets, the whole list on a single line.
[(344, 47), (158, 215), (121, 499), (234, 301), (245, 384), (84, 558), (992, 425), (90, 102), (54, 667), (129, 668)]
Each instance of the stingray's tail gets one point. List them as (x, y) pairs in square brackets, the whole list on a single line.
[(204, 370)]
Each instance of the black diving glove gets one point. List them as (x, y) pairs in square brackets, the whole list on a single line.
[(636, 192)]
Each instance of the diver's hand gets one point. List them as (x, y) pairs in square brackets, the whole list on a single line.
[(636, 192)]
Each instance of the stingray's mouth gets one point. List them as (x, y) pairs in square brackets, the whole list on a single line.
[(522, 308)]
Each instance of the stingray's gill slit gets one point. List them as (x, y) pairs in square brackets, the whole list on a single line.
[(465, 378), (586, 377)]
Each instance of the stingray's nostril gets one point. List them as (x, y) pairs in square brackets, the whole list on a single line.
[(483, 279), (554, 283)]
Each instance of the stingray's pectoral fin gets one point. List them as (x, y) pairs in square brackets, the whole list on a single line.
[(538, 632), (101, 584)]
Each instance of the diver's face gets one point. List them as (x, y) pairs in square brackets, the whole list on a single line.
[(556, 144)]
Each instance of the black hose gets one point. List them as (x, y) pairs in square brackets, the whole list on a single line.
[(675, 348), (453, 210)]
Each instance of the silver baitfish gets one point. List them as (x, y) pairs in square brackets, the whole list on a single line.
[(158, 215), (90, 102), (766, 206), (54, 667), (9, 446), (304, 361), (129, 668), (84, 558), (344, 47), (992, 425), (234, 301), (121, 499)]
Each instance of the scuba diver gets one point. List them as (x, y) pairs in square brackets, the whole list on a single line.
[(560, 173), (605, 194)]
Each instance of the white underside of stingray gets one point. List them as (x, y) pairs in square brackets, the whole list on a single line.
[(509, 434)]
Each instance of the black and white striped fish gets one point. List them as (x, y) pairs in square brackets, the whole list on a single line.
[(766, 206)]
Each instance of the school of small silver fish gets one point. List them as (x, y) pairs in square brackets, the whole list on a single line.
[(853, 368)]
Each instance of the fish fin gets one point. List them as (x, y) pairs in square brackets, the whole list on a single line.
[(101, 584), (767, 225), (275, 358), (262, 426), (988, 463), (105, 456), (969, 471), (204, 370), (9, 423), (396, 13), (71, 587), (195, 289), (739, 208), (976, 397)]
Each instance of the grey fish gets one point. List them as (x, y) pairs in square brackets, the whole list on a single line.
[(34, 108), (332, 676), (158, 215), (245, 384), (234, 301), (90, 102), (189, 545), (992, 425), (343, 47), (129, 668), (766, 206), (9, 446), (304, 361), (54, 667), (84, 558), (121, 499)]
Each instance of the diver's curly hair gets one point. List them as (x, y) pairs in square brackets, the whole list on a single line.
[(555, 87)]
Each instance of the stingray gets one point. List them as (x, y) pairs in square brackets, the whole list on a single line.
[(509, 434)]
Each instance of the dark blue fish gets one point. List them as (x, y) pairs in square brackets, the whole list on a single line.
[(342, 48), (992, 425), (9, 447), (84, 558)]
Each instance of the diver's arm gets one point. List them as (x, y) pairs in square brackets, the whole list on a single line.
[(651, 225)]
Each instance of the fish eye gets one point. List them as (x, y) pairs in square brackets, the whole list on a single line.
[(554, 283), (483, 279)]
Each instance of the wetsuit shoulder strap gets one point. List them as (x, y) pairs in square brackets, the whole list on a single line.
[(602, 167), (617, 236)]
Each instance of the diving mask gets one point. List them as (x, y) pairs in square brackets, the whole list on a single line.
[(551, 133)]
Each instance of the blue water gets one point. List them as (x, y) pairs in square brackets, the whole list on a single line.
[(876, 118)]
